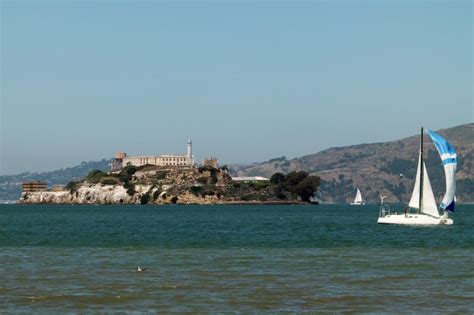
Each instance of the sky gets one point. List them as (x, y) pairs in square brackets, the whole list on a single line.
[(247, 81)]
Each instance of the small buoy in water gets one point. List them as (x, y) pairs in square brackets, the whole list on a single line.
[(140, 269)]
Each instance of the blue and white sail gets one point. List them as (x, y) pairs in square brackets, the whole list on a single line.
[(449, 159)]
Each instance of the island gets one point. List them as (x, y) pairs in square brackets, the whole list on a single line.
[(154, 184)]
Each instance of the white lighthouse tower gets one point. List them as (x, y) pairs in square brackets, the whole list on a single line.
[(189, 154)]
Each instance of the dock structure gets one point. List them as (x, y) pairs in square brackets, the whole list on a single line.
[(250, 179)]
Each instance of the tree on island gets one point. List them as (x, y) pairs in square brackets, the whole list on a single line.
[(295, 184), (277, 178), (307, 187)]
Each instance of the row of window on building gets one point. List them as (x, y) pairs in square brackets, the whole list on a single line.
[(177, 161), (39, 186), (174, 159)]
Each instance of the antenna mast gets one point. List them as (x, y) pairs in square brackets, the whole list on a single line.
[(422, 164)]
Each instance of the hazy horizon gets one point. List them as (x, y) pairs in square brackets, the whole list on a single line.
[(230, 163), (246, 82)]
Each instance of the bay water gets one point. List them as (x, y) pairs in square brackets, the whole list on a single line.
[(214, 259)]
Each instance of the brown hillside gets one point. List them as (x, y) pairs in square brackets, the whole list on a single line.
[(377, 169)]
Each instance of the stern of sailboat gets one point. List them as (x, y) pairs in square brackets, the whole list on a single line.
[(384, 211)]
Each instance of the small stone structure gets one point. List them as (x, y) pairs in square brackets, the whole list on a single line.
[(57, 188), (117, 163), (211, 162)]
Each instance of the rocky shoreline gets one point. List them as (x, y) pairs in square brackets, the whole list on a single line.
[(229, 203)]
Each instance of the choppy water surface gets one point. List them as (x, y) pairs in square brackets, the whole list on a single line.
[(237, 258)]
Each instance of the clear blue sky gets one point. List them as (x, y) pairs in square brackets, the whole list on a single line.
[(246, 81)]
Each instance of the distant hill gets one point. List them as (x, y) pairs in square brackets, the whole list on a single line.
[(10, 185), (387, 168)]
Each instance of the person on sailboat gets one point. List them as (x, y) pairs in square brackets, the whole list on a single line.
[(405, 211)]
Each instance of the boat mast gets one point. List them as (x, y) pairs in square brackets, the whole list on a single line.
[(422, 163)]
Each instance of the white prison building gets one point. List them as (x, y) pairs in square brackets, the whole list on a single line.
[(160, 160)]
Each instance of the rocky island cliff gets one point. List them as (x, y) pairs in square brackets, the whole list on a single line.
[(165, 185)]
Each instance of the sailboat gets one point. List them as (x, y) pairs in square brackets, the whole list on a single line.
[(422, 208), (358, 199)]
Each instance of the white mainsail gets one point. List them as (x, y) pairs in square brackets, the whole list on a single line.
[(358, 198), (428, 203)]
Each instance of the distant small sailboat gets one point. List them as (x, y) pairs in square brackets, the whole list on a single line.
[(141, 269), (423, 199), (358, 199)]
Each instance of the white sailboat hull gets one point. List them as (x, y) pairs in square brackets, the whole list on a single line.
[(357, 203), (414, 219)]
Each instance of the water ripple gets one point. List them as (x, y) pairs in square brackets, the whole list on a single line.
[(220, 259)]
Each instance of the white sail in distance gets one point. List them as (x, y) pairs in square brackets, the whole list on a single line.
[(358, 197), (428, 204)]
